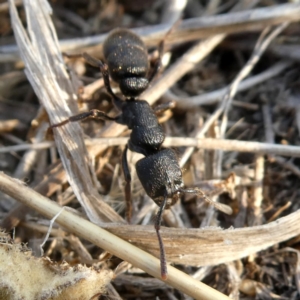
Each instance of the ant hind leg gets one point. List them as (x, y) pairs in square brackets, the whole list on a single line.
[(94, 113), (164, 106), (163, 261), (161, 50), (127, 185)]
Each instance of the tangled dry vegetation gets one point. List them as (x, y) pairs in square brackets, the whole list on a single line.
[(232, 69)]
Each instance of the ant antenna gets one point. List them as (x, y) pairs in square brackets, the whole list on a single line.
[(220, 206)]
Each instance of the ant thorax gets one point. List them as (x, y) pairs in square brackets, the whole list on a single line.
[(147, 135)]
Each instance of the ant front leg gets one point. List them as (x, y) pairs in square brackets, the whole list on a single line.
[(97, 63), (104, 71), (220, 206), (127, 185), (163, 261), (160, 109), (161, 50), (94, 113), (72, 55), (163, 107)]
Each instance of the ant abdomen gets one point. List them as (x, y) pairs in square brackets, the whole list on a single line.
[(127, 59), (161, 176)]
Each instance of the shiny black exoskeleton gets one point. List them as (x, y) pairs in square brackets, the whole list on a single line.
[(159, 171)]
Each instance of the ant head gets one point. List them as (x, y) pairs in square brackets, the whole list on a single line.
[(161, 176), (133, 86)]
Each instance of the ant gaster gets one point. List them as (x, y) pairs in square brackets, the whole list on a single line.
[(159, 171)]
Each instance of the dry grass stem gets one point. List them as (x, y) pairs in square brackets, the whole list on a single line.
[(224, 106), (203, 143), (258, 188), (25, 146), (217, 95), (266, 37)]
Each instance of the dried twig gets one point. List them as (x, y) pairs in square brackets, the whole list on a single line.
[(202, 143), (216, 96)]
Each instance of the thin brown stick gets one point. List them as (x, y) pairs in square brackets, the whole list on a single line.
[(217, 95), (280, 211)]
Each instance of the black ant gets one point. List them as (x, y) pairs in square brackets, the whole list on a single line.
[(159, 171), (127, 63)]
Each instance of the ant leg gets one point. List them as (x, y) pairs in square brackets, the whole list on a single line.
[(163, 261), (97, 63), (127, 185), (72, 55), (88, 58), (158, 63), (164, 106), (104, 71), (161, 49), (220, 206), (94, 113)]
